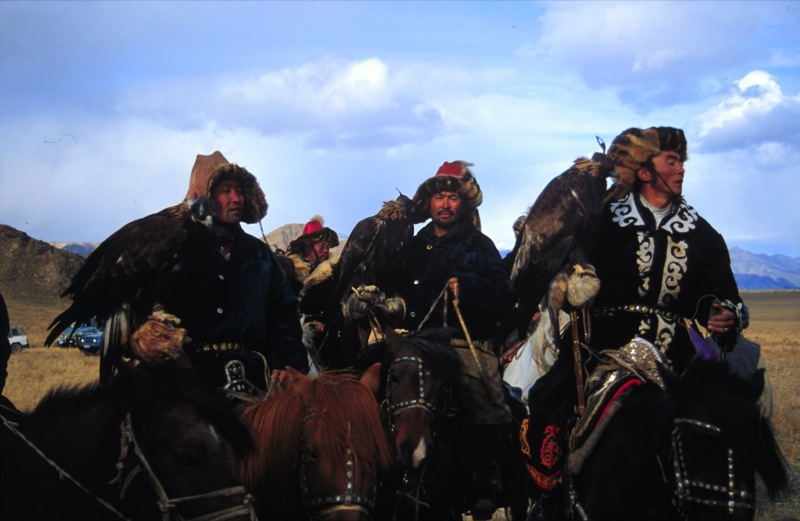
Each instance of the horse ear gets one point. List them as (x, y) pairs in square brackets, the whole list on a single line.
[(372, 377)]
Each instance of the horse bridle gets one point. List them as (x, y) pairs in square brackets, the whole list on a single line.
[(394, 409), (684, 484), (166, 505), (319, 507)]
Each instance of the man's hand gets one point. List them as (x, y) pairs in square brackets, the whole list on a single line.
[(279, 377), (721, 320), (452, 284)]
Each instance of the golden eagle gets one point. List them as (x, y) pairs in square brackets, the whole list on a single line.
[(121, 283), (375, 253), (556, 238)]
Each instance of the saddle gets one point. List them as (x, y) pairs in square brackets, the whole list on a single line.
[(617, 373)]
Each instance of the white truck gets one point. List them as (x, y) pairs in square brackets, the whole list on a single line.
[(18, 338)]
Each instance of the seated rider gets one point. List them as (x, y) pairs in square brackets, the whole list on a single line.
[(451, 251), (662, 269)]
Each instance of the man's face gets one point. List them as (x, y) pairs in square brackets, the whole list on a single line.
[(228, 197), (669, 181), (319, 251), (446, 209)]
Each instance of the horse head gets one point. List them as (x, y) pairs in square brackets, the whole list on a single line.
[(321, 445), (422, 379), (156, 442), (187, 439), (720, 442)]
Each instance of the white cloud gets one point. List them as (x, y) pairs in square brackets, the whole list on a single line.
[(663, 53), (756, 112)]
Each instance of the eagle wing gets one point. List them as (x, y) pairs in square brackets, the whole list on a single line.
[(375, 252), (557, 231), (118, 284), (356, 257)]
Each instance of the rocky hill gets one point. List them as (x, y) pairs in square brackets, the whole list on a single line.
[(33, 271)]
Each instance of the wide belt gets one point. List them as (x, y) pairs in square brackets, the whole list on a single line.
[(610, 311), (217, 346)]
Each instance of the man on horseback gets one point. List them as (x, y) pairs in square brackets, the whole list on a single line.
[(663, 270), (229, 293), (457, 280)]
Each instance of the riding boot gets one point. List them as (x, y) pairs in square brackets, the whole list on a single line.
[(547, 506), (486, 446)]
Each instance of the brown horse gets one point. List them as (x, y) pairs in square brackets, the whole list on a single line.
[(321, 447)]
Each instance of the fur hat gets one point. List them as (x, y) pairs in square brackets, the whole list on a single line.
[(635, 147), (210, 170), (314, 231), (451, 177)]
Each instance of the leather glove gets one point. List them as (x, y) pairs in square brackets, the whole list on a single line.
[(393, 310), (159, 338)]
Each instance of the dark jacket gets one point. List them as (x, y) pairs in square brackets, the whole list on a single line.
[(679, 266), (246, 299), (485, 296)]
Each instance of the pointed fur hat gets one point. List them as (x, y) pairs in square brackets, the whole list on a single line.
[(211, 169)]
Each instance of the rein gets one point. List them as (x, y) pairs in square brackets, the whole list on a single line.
[(166, 505), (11, 426)]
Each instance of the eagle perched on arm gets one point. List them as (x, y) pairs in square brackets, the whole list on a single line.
[(375, 254), (557, 237), (122, 282)]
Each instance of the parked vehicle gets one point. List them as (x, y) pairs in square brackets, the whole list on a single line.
[(18, 338), (78, 334), (64, 339), (91, 343)]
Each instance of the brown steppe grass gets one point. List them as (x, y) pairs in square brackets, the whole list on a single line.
[(775, 325)]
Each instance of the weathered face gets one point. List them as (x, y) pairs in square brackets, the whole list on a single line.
[(447, 210), (318, 251), (229, 201), (669, 181)]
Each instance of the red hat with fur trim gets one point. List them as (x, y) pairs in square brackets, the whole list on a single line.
[(314, 231), (452, 176)]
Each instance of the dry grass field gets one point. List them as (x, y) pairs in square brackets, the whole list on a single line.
[(775, 324)]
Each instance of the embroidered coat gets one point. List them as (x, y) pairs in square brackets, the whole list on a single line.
[(246, 299), (677, 266)]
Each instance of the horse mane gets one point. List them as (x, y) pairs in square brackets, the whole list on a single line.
[(345, 410), (340, 402)]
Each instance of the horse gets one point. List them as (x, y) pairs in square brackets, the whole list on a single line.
[(689, 449), (321, 448), (156, 442), (422, 378)]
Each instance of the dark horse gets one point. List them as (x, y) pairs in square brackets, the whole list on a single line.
[(688, 451), (422, 372), (321, 448), (157, 442)]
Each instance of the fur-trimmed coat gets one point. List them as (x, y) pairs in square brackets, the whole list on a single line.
[(485, 296), (679, 265)]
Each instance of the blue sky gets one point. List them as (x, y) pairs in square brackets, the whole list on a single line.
[(334, 106)]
